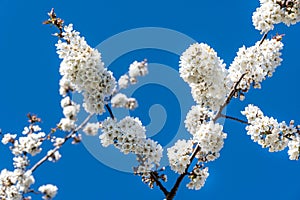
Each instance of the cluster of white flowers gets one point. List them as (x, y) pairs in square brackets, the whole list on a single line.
[(30, 143), (70, 111), (83, 71), (195, 117), (13, 184), (269, 133), (294, 148), (273, 12), (122, 101), (91, 128), (210, 137), (54, 156), (256, 62), (179, 155), (198, 178), (128, 135), (48, 190), (205, 72), (136, 69)]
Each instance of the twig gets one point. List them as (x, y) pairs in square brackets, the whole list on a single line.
[(227, 101), (235, 119), (45, 158), (159, 184), (263, 38), (110, 111), (173, 191)]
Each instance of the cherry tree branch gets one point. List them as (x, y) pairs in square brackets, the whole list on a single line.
[(110, 111), (173, 191), (235, 119), (159, 184), (263, 38), (219, 114), (66, 138), (228, 99)]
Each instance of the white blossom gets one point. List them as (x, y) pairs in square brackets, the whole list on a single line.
[(66, 101), (179, 155), (83, 70), (205, 72), (256, 62), (58, 141), (195, 117), (273, 12), (48, 190), (128, 135), (20, 161), (66, 124), (294, 148), (54, 156), (71, 111), (91, 129), (14, 183), (210, 138), (198, 178), (123, 81), (8, 138), (137, 69), (121, 100), (65, 86), (266, 131), (30, 144)]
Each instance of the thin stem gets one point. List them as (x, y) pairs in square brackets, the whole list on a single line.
[(219, 114), (110, 111), (45, 158), (234, 118), (227, 101), (159, 184), (173, 191), (263, 38)]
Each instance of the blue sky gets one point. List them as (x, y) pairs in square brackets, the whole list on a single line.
[(29, 83)]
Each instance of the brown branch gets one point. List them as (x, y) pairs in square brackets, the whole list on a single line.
[(219, 114), (228, 99), (159, 184), (173, 191), (263, 38), (235, 119), (66, 138), (110, 111)]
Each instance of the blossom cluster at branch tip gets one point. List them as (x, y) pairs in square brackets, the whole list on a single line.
[(30, 143), (273, 12), (179, 155), (205, 72), (195, 117), (135, 70), (128, 135), (270, 134), (197, 178), (48, 190), (14, 183), (256, 62), (120, 100), (210, 138), (70, 111), (83, 71), (91, 129)]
